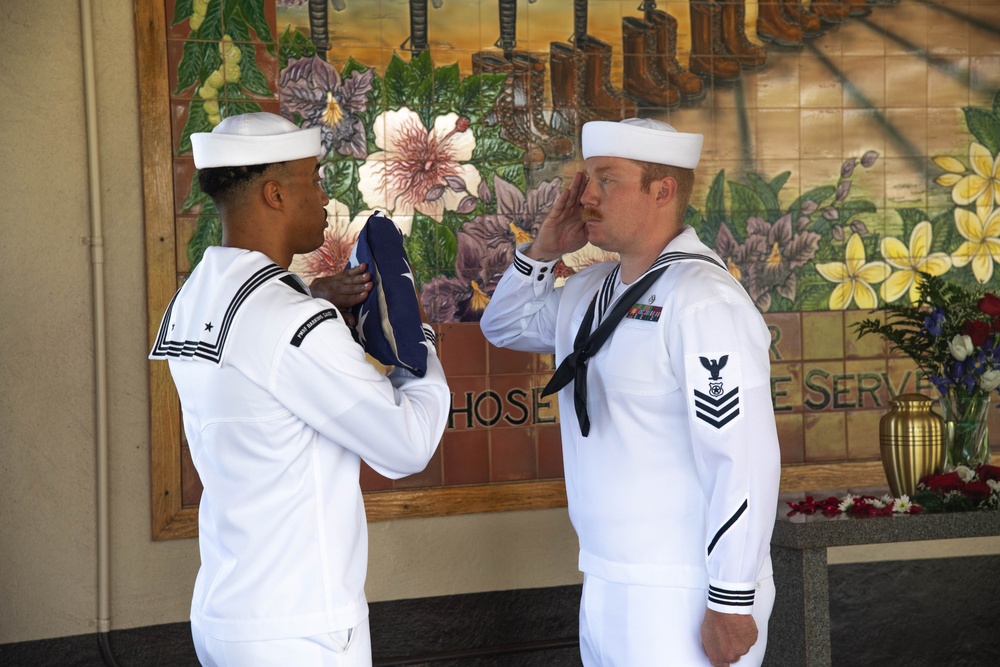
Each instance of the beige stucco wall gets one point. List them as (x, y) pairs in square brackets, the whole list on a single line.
[(47, 453)]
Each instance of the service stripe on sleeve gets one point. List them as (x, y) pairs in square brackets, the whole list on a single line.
[(730, 598)]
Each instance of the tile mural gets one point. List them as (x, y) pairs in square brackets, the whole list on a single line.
[(850, 146)]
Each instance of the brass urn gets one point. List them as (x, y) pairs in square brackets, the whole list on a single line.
[(912, 442)]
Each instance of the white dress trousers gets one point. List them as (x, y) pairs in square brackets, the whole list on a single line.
[(623, 625)]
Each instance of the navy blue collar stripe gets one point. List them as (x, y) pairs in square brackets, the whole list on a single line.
[(607, 289), (213, 351)]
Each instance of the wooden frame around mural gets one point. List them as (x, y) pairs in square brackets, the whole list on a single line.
[(170, 518)]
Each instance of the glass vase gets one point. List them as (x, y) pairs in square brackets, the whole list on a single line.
[(965, 432)]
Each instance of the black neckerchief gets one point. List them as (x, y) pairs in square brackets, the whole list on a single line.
[(587, 344)]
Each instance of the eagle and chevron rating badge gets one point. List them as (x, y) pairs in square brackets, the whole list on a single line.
[(716, 402)]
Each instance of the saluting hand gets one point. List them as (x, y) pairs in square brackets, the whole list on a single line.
[(563, 229), (344, 290)]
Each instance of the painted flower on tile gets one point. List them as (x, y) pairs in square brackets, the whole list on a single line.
[(312, 88), (518, 215), (777, 251), (340, 237), (586, 256), (419, 169), (766, 261), (478, 269), (981, 187), (736, 255), (854, 277), (981, 248), (485, 249), (910, 263)]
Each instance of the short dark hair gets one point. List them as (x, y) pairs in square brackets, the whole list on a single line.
[(222, 184), (652, 172)]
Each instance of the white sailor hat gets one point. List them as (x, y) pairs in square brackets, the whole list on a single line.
[(254, 138), (642, 139)]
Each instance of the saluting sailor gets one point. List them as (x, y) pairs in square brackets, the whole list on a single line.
[(669, 441), (280, 406)]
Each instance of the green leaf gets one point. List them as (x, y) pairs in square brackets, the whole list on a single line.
[(411, 84), (341, 180), (813, 297), (189, 68), (211, 27), (207, 233), (779, 182), (293, 44), (494, 150), (946, 236), (468, 97), (197, 121), (745, 203), (780, 304), (253, 13), (353, 66), (985, 126), (196, 197), (235, 105), (767, 196), (491, 85), (250, 75), (431, 248), (996, 104), (816, 195), (855, 207), (715, 201), (512, 173), (911, 217), (183, 9), (236, 25), (446, 84)]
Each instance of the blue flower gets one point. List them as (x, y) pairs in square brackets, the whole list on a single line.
[(941, 383), (934, 321)]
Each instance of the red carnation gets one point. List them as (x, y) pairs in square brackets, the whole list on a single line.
[(976, 489), (943, 483), (990, 304), (977, 331), (987, 472)]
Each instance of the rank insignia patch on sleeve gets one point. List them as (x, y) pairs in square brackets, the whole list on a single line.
[(715, 388)]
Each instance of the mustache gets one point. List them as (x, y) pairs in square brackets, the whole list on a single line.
[(591, 214)]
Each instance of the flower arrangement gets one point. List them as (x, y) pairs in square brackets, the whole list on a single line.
[(962, 489), (953, 335)]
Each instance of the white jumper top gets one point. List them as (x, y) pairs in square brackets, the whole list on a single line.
[(677, 483), (280, 406)]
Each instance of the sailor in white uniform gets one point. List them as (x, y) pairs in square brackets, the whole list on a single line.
[(279, 408), (669, 442)]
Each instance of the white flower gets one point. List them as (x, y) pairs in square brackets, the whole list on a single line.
[(989, 380), (965, 473), (878, 503), (961, 347), (902, 504), (417, 169), (887, 500), (586, 256), (847, 503), (994, 485)]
